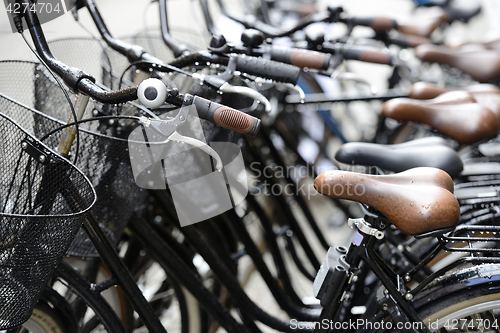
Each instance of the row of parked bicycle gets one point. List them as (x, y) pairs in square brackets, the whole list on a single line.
[(145, 180)]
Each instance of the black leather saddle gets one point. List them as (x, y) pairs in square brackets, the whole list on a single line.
[(426, 152)]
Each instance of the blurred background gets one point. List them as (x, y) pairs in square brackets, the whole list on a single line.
[(125, 18)]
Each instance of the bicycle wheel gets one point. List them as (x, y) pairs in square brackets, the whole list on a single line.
[(473, 307), (464, 301), (176, 307), (44, 319)]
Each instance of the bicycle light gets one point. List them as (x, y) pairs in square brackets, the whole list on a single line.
[(152, 93)]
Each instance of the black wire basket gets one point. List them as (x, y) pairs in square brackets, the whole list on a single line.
[(103, 150), (44, 200)]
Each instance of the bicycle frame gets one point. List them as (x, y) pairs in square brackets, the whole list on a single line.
[(396, 295)]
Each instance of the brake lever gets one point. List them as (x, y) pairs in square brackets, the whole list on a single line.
[(220, 83), (356, 78), (198, 144), (290, 86), (168, 129), (246, 91)]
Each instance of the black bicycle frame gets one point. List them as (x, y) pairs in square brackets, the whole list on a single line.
[(120, 274), (364, 251)]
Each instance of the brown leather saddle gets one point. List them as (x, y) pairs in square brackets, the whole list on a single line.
[(487, 95), (490, 44), (416, 201), (455, 114), (423, 90), (482, 65)]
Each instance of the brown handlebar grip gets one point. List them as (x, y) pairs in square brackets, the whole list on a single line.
[(301, 58), (226, 117), (382, 24), (376, 57), (236, 120), (310, 59), (367, 54), (414, 41)]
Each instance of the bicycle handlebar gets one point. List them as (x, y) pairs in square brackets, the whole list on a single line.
[(252, 45), (251, 65), (250, 22), (80, 81), (225, 116), (365, 54), (276, 71), (173, 44), (134, 53), (153, 93), (70, 75), (378, 24), (300, 58), (408, 40), (88, 87)]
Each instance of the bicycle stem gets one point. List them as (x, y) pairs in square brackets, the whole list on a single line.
[(74, 78), (70, 75), (173, 44), (134, 53)]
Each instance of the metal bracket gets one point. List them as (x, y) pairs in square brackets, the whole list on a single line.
[(401, 285), (332, 276), (34, 149), (365, 228)]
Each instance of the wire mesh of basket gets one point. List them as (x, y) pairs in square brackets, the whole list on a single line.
[(44, 200), (103, 153)]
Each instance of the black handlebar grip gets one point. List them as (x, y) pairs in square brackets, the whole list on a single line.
[(301, 58), (268, 69), (226, 117), (367, 54)]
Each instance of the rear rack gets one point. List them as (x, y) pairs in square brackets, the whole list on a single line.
[(471, 238)]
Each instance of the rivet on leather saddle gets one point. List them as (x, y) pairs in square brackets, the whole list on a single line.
[(416, 201)]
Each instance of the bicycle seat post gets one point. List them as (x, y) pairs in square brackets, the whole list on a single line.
[(340, 266)]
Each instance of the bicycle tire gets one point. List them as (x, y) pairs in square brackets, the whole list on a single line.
[(45, 319), (469, 294)]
